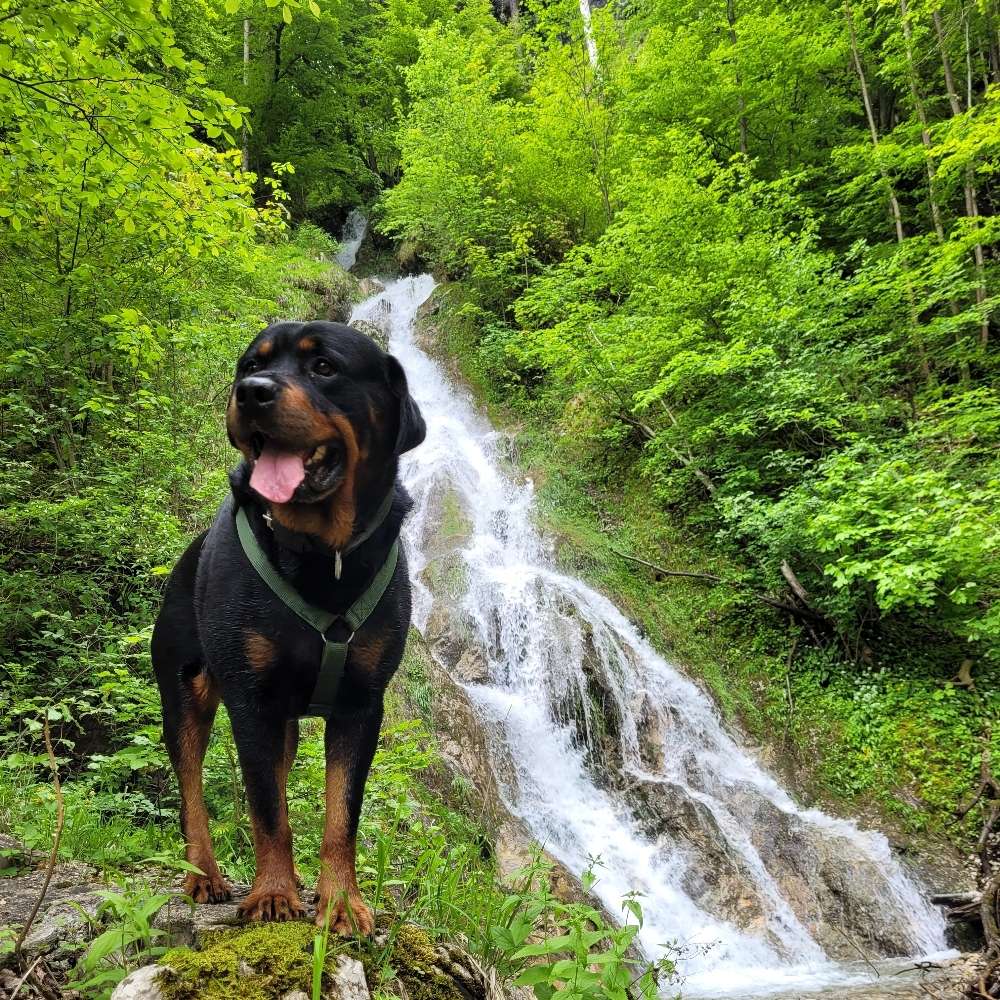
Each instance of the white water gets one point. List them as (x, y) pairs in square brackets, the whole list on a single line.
[(351, 238), (536, 627)]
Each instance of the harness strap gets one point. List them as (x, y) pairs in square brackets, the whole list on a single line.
[(331, 667)]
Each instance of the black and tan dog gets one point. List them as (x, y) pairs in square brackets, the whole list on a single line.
[(321, 415)]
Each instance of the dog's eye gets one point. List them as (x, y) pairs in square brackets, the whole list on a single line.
[(322, 367), (249, 367)]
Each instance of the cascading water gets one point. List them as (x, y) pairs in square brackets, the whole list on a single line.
[(610, 751), (351, 238)]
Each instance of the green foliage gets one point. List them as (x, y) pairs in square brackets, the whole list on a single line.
[(775, 325), (128, 943), (894, 729), (587, 957)]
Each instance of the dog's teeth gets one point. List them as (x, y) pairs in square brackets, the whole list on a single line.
[(318, 453)]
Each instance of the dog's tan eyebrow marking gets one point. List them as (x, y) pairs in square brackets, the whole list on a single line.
[(307, 344), (265, 348)]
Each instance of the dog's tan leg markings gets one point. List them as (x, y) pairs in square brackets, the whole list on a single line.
[(274, 895), (259, 649), (338, 898), (201, 700)]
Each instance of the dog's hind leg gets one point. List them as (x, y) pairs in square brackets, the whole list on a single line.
[(350, 747), (190, 700), (266, 751)]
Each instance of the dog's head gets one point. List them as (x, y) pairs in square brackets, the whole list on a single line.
[(321, 415)]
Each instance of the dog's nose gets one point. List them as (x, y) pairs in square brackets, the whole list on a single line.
[(256, 392)]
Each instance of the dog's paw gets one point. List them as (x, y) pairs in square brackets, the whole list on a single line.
[(272, 904), (349, 918), (207, 888)]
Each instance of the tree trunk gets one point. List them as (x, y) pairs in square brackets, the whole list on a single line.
[(245, 158), (925, 135), (731, 18), (897, 215), (278, 32), (971, 198)]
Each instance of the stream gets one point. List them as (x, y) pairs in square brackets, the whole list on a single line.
[(606, 750)]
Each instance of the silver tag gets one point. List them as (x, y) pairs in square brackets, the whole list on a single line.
[(337, 564)]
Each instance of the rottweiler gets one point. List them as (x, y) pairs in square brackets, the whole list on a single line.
[(321, 416)]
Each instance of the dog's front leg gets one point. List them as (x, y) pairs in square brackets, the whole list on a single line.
[(266, 750), (350, 747)]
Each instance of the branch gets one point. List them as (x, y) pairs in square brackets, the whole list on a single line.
[(56, 836), (668, 572), (806, 614)]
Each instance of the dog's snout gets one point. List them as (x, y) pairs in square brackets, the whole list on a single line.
[(256, 392)]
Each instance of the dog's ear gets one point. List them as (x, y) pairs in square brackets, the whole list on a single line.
[(412, 428)]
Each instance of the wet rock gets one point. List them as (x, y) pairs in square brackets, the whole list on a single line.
[(368, 287), (377, 324), (408, 257), (472, 667), (716, 879)]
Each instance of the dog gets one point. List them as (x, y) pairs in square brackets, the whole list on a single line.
[(321, 415)]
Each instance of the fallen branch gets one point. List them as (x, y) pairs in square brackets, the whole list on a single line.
[(56, 836), (24, 978), (807, 614)]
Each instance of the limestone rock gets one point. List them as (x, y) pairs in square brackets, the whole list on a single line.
[(186, 926), (143, 984), (349, 981), (472, 667), (369, 286), (58, 920)]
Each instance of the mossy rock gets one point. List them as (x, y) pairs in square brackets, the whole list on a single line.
[(421, 969), (261, 962), (267, 961), (334, 289)]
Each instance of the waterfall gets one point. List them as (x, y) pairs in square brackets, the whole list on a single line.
[(611, 751), (353, 235)]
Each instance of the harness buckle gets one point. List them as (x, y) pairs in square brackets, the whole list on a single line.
[(344, 626)]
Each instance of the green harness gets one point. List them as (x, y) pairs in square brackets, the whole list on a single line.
[(331, 666)]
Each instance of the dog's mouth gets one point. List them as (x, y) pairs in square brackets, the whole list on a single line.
[(280, 473)]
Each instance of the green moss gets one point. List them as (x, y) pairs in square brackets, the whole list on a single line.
[(278, 954), (415, 964)]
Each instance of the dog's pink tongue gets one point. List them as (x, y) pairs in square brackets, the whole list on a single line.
[(277, 474)]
